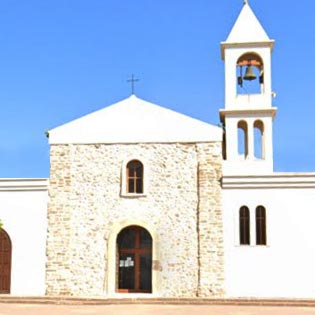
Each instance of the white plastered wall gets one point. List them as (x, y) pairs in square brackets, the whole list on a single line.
[(23, 214), (283, 268)]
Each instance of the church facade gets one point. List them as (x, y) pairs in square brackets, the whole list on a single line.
[(142, 200), (164, 195)]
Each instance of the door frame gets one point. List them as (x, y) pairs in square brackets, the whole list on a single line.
[(136, 251), (111, 271)]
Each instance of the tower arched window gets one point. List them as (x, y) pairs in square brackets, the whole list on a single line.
[(244, 221), (259, 143), (250, 74), (242, 135), (261, 235), (134, 177)]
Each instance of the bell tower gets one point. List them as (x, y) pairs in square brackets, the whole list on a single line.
[(248, 113)]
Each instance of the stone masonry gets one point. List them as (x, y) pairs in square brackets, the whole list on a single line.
[(210, 234), (182, 202)]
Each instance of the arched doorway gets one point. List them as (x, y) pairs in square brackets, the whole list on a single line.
[(134, 245), (5, 262)]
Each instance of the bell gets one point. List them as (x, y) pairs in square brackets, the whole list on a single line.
[(249, 74)]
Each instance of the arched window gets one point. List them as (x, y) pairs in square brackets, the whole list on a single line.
[(134, 177), (261, 237), (242, 138), (259, 150), (244, 220)]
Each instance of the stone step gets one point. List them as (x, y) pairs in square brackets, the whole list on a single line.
[(195, 301)]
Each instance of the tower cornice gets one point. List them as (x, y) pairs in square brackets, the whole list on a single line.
[(225, 45), (248, 112)]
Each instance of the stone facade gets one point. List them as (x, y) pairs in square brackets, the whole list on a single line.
[(180, 207), (210, 234)]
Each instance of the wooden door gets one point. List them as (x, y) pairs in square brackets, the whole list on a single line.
[(134, 260), (5, 262)]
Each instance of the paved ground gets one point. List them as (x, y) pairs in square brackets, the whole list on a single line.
[(47, 309)]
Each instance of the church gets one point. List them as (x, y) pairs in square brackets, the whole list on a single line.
[(145, 201)]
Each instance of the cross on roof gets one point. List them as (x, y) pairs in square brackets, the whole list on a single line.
[(132, 80), (245, 1)]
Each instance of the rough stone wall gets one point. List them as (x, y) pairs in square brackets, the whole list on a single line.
[(86, 202), (58, 266), (210, 222)]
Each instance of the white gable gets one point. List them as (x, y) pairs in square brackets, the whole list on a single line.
[(134, 121), (247, 28)]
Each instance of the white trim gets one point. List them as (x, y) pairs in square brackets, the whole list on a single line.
[(274, 181), (257, 113), (24, 184), (226, 45)]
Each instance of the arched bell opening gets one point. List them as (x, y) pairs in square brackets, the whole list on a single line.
[(259, 145), (250, 74), (242, 139)]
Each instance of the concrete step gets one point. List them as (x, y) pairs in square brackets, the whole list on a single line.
[(182, 301)]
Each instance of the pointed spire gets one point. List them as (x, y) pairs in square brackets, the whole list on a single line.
[(247, 28)]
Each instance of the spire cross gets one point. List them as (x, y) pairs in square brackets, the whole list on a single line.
[(132, 80), (245, 2)]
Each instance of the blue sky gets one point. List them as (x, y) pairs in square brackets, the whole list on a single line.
[(62, 59)]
